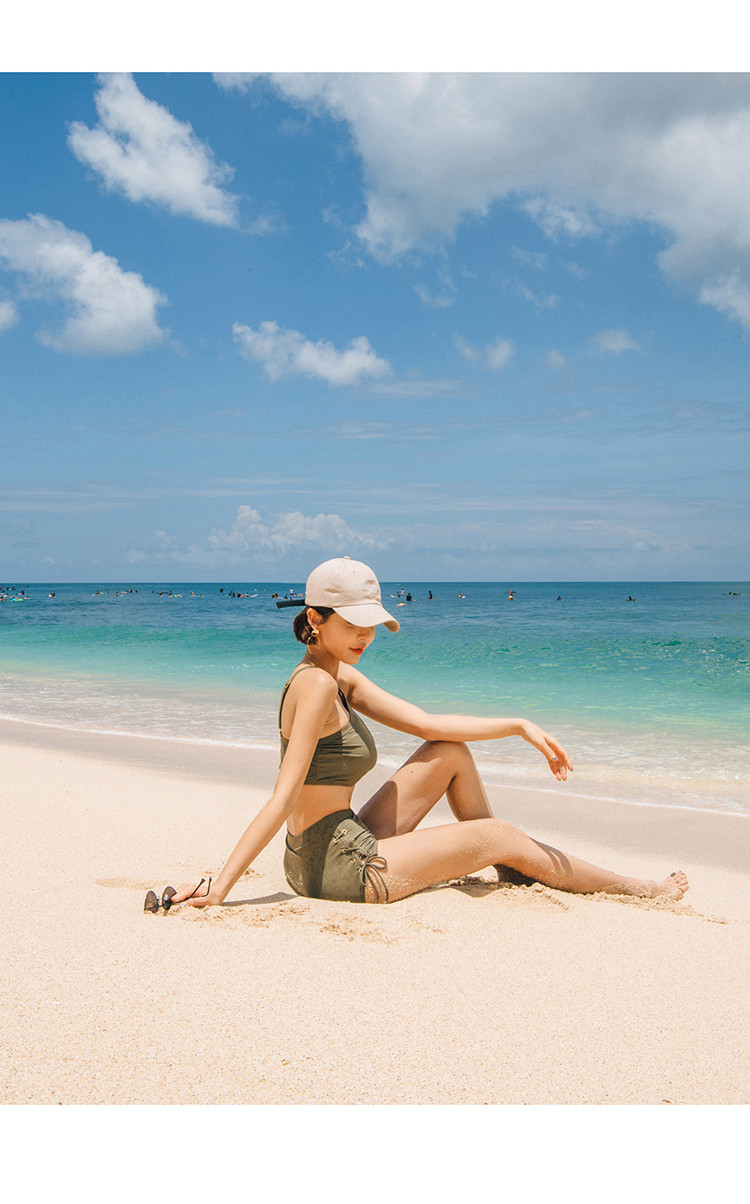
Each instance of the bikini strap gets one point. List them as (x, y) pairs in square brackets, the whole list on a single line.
[(286, 687)]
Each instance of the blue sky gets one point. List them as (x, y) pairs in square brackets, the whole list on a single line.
[(473, 326)]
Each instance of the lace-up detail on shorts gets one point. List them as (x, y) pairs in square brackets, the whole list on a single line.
[(368, 861)]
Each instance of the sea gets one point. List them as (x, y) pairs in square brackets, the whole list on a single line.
[(646, 684)]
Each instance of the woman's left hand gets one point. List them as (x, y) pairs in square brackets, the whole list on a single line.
[(557, 758)]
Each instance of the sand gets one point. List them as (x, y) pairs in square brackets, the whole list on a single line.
[(462, 995)]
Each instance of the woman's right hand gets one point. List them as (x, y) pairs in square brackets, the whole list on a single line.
[(197, 896)]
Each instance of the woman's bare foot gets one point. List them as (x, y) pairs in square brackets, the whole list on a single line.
[(673, 887)]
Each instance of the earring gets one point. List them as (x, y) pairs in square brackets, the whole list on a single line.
[(313, 636)]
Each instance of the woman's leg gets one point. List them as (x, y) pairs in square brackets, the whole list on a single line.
[(437, 768), (416, 860), (420, 859)]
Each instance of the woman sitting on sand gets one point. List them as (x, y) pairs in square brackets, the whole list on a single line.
[(379, 855)]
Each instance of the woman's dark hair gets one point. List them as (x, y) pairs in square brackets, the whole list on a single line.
[(302, 627)]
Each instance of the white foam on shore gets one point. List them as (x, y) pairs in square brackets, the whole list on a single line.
[(501, 770), (640, 766)]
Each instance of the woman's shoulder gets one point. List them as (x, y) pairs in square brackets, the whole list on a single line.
[(311, 679)]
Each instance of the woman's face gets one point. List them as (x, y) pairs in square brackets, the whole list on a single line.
[(343, 640)]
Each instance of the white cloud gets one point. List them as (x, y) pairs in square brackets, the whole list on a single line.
[(548, 301), (555, 359), (113, 312), (440, 300), (614, 342), (60, 501), (558, 220), (729, 295), (141, 150), (599, 534), (495, 355), (467, 351), (251, 535), (442, 297), (8, 315), (499, 353), (436, 386), (288, 353), (248, 530), (533, 259), (579, 152), (295, 530), (240, 80)]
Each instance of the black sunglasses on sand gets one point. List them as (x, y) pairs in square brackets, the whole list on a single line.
[(152, 900)]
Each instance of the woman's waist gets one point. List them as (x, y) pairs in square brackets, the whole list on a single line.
[(315, 803)]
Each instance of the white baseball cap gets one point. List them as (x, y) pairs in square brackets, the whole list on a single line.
[(351, 589)]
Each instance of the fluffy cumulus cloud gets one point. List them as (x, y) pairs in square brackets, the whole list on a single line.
[(112, 312), (285, 531), (288, 353), (578, 152), (139, 149), (252, 535)]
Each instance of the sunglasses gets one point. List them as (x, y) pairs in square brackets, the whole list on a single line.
[(152, 903)]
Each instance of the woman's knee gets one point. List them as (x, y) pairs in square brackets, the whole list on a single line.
[(504, 835), (453, 751)]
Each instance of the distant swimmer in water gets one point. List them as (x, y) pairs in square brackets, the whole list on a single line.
[(510, 595), (629, 599), (460, 595), (430, 595), (558, 598)]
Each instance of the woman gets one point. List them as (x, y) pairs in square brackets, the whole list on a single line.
[(379, 855)]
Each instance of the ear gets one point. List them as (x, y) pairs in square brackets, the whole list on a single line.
[(313, 618)]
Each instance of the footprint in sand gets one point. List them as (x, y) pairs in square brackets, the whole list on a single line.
[(351, 930)]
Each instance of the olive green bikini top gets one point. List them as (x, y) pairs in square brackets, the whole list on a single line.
[(342, 758)]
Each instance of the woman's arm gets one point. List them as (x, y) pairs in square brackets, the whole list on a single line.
[(312, 706), (404, 716)]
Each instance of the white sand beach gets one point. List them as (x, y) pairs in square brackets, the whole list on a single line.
[(465, 994)]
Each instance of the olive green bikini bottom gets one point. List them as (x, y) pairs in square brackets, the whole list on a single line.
[(335, 859)]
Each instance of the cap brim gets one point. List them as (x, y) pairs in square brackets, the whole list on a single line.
[(369, 614)]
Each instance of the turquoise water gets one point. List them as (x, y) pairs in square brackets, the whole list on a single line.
[(651, 696)]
